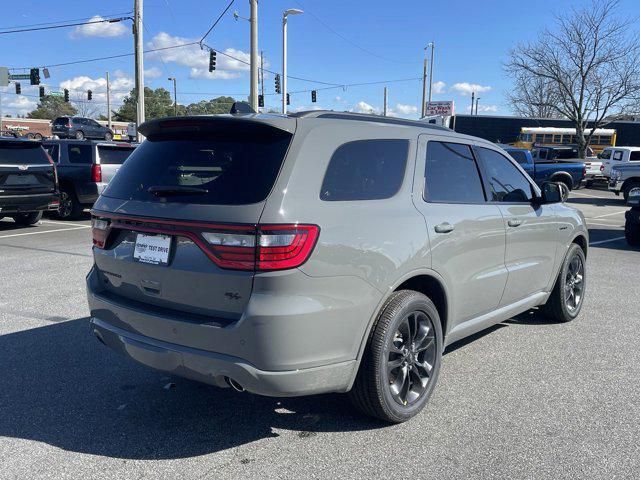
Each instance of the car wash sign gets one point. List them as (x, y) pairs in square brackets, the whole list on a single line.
[(444, 108)]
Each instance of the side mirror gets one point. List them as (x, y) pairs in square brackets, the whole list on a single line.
[(553, 192)]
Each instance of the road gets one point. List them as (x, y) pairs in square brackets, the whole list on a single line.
[(525, 399)]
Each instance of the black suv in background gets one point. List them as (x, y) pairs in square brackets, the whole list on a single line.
[(80, 128), (28, 184), (84, 169)]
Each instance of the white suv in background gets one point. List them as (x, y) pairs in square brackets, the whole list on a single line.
[(612, 156)]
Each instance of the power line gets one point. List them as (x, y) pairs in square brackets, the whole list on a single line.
[(66, 21), (217, 20), (104, 20)]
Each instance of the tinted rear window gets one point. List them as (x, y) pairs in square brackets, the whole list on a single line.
[(365, 170), (113, 155), (519, 156), (236, 167), (634, 156), (61, 121), (79, 153), (22, 154), (451, 174)]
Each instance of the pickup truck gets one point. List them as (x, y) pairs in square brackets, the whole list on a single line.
[(612, 156), (548, 170), (624, 177)]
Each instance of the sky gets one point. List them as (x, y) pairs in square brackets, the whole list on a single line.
[(334, 43)]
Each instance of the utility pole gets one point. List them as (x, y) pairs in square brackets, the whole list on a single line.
[(262, 73), (291, 11), (433, 46), (175, 96), (473, 96), (386, 98), (424, 86), (253, 19), (108, 102), (137, 32), (477, 101)]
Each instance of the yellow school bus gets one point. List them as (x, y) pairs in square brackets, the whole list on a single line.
[(553, 136)]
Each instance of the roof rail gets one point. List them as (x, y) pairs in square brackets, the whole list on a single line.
[(365, 117)]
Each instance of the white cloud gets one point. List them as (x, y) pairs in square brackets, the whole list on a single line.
[(153, 72), (104, 29), (364, 107), (197, 60), (121, 85), (484, 108), (439, 87), (404, 109), (18, 105), (466, 88)]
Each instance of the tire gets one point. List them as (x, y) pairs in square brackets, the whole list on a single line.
[(26, 219), (70, 207), (559, 307), (632, 233), (375, 392), (79, 135), (627, 188), (588, 184), (37, 136), (108, 136)]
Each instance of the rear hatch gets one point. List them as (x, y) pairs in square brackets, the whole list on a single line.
[(111, 156), (61, 125), (25, 169), (175, 231)]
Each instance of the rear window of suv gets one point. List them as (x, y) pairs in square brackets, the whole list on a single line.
[(365, 170), (112, 155), (232, 167), (22, 153)]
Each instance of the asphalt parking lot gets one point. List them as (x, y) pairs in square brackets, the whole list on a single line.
[(525, 399)]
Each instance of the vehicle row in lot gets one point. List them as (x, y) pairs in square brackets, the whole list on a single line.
[(28, 183), (323, 252)]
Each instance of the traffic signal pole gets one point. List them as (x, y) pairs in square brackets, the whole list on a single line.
[(253, 19), (137, 32), (108, 102)]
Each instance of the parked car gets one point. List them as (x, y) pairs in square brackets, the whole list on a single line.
[(28, 184), (323, 252), (612, 156), (632, 218), (571, 174), (84, 169), (624, 177), (80, 128)]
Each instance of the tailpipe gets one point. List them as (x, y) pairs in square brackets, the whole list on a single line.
[(234, 384)]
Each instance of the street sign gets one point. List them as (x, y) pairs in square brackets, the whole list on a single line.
[(444, 108), (56, 94), (4, 76), (20, 76)]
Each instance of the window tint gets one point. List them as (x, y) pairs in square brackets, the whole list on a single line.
[(365, 170), (519, 156), (617, 155), (506, 182), (22, 153), (79, 153), (233, 167), (52, 150), (451, 174), (634, 156), (60, 121), (606, 154), (113, 155)]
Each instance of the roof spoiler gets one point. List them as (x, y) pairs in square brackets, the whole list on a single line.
[(241, 108)]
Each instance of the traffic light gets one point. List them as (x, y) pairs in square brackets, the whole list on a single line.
[(212, 60), (261, 101), (34, 76), (41, 92), (277, 79), (66, 95), (89, 94), (18, 88), (314, 96), (288, 100)]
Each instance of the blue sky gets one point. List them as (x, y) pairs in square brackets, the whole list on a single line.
[(384, 41)]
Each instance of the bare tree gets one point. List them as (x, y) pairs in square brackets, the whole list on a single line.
[(534, 97), (592, 62), (86, 108)]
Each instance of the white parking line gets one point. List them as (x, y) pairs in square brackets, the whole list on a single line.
[(600, 242), (44, 231), (600, 224), (590, 196), (62, 223), (609, 214)]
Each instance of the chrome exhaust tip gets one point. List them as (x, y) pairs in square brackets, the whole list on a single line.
[(235, 385)]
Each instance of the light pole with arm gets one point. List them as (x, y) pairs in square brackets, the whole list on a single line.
[(175, 96), (291, 11)]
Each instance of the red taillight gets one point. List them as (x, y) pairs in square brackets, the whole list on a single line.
[(584, 172), (96, 173), (602, 168), (69, 125)]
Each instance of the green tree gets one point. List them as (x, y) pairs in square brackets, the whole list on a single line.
[(157, 103), (50, 107)]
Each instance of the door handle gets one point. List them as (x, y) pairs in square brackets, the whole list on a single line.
[(444, 227), (514, 222)]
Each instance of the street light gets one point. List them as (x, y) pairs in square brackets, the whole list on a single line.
[(291, 11), (175, 96)]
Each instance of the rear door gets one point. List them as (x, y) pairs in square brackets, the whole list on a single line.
[(467, 234), (111, 157), (180, 220), (532, 229), (24, 169), (610, 158), (60, 126)]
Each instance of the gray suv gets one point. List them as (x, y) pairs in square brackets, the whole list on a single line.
[(80, 128), (323, 252)]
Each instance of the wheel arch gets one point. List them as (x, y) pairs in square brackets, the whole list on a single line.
[(582, 241), (564, 177), (628, 182)]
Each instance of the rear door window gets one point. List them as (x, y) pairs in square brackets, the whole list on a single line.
[(113, 155), (79, 153), (506, 183), (22, 153), (634, 156), (451, 174), (232, 167), (365, 170), (519, 156)]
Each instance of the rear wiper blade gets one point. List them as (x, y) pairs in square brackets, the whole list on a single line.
[(162, 191)]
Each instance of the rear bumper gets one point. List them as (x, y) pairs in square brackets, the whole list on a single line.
[(11, 204), (615, 186), (293, 344)]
